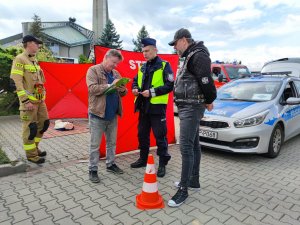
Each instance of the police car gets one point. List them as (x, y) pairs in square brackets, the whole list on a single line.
[(254, 115)]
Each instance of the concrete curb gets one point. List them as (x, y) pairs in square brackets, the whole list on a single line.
[(15, 166), (9, 169)]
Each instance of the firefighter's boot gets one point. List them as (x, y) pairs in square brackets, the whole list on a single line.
[(41, 153), (32, 156)]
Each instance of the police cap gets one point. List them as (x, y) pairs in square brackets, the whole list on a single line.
[(148, 41)]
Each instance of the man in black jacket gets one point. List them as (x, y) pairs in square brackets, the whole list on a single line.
[(151, 87), (194, 91)]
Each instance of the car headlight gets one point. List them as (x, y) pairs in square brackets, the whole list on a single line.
[(251, 121)]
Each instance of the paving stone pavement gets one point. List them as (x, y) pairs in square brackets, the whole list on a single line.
[(235, 189)]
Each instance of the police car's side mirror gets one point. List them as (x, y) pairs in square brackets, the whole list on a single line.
[(293, 101)]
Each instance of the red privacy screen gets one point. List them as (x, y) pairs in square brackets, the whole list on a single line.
[(67, 95)]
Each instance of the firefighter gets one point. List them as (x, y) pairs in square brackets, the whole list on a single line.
[(151, 87), (29, 81)]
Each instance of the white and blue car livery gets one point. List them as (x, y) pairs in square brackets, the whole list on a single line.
[(253, 115)]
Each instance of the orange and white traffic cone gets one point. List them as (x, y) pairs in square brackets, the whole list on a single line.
[(150, 198)]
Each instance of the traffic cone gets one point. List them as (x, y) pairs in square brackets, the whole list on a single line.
[(150, 198)]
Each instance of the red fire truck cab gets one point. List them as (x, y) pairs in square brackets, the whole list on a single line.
[(225, 72)]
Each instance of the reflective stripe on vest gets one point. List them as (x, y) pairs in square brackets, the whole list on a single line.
[(157, 80)]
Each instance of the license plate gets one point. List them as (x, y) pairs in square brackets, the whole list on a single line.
[(208, 134)]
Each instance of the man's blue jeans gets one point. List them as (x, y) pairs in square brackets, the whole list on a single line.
[(190, 116), (98, 127)]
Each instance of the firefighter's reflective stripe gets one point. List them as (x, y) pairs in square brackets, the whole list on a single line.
[(32, 98), (31, 68), (37, 139), (29, 147), (21, 93), (18, 72)]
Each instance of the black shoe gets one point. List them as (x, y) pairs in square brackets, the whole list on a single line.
[(42, 153), (93, 176), (179, 198), (114, 169), (139, 163), (161, 171), (37, 160)]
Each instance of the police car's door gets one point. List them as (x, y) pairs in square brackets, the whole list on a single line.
[(290, 113), (297, 87)]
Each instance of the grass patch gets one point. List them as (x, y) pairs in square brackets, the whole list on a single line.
[(3, 158)]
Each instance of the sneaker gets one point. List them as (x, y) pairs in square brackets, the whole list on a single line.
[(114, 169), (138, 164), (191, 187), (93, 176), (179, 198), (161, 171)]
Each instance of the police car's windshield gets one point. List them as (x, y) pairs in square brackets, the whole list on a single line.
[(237, 72), (260, 91)]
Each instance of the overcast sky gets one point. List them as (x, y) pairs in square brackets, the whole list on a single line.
[(253, 31)]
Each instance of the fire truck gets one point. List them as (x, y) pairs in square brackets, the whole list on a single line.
[(225, 72)]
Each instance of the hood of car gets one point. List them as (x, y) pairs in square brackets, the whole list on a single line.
[(237, 109)]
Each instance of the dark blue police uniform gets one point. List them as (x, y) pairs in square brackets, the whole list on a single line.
[(152, 116)]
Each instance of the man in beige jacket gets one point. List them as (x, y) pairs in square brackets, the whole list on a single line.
[(103, 111)]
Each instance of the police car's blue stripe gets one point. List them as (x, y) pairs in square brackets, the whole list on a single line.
[(228, 108), (291, 113)]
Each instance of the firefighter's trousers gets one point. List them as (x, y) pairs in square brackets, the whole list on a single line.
[(35, 123)]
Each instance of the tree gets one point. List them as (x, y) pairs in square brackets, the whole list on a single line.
[(36, 27), (143, 33), (84, 59), (109, 37), (45, 55)]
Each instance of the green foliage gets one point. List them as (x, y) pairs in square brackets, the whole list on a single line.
[(3, 158), (36, 27), (143, 33), (84, 59), (8, 99), (45, 55), (109, 37), (6, 57)]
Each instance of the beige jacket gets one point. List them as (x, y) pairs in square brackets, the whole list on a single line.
[(26, 74), (97, 84)]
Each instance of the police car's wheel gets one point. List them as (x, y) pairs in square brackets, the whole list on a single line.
[(276, 141)]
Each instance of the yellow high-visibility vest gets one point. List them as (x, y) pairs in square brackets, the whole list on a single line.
[(157, 80)]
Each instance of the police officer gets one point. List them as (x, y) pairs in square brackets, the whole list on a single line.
[(29, 81), (151, 87)]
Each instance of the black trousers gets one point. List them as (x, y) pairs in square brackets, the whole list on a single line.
[(158, 124)]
